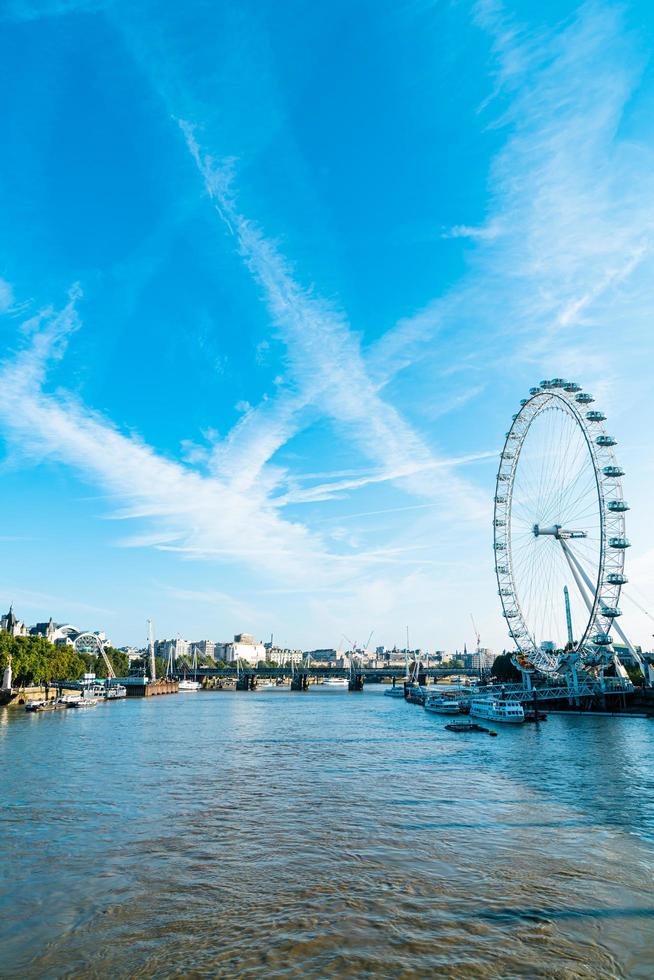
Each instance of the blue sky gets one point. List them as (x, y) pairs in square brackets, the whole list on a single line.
[(274, 279)]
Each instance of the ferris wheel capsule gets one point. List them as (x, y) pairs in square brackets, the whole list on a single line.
[(617, 506)]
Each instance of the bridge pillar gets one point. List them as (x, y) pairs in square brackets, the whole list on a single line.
[(355, 682), (246, 682), (300, 682)]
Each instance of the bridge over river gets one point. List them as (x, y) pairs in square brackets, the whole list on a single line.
[(301, 676), (611, 694)]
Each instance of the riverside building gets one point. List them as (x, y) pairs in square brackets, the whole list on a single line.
[(243, 648)]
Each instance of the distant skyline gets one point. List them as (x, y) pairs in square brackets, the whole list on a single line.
[(273, 280)]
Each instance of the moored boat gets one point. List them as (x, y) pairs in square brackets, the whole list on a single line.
[(189, 685), (68, 700), (532, 715), (394, 692), (40, 706), (467, 726), (115, 691), (492, 709), (442, 706)]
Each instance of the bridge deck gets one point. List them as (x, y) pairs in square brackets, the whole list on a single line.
[(368, 673)]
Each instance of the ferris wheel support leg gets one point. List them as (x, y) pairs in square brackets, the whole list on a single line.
[(645, 669), (578, 571)]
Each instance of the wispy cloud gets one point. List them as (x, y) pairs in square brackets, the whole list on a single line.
[(220, 601), (336, 487), (478, 234), (571, 213), (325, 358), (199, 514)]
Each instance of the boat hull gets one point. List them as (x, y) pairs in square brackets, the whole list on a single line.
[(443, 709), (497, 717)]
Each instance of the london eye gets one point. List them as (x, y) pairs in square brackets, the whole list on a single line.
[(559, 532)]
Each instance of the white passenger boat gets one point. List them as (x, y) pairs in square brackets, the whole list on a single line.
[(68, 700), (105, 690), (188, 685), (115, 691), (84, 703), (442, 706), (493, 709), (333, 682)]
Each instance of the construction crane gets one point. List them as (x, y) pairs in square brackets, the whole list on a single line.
[(477, 636)]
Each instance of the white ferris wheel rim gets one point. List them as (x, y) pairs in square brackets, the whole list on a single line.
[(594, 641)]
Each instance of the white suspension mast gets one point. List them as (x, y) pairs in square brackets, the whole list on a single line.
[(153, 664)]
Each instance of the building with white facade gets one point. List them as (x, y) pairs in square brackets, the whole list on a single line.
[(243, 648), (172, 650)]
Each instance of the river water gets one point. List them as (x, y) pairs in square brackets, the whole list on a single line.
[(322, 834)]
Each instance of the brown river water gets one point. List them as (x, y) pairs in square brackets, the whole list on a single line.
[(322, 834)]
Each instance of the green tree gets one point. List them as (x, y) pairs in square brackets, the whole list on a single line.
[(35, 660), (635, 674), (503, 668)]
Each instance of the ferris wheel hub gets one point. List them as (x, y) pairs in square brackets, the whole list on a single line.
[(556, 531)]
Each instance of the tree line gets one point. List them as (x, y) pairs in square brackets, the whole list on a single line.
[(34, 660)]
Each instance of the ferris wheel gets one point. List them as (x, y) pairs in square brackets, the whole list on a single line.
[(559, 531), (91, 643)]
